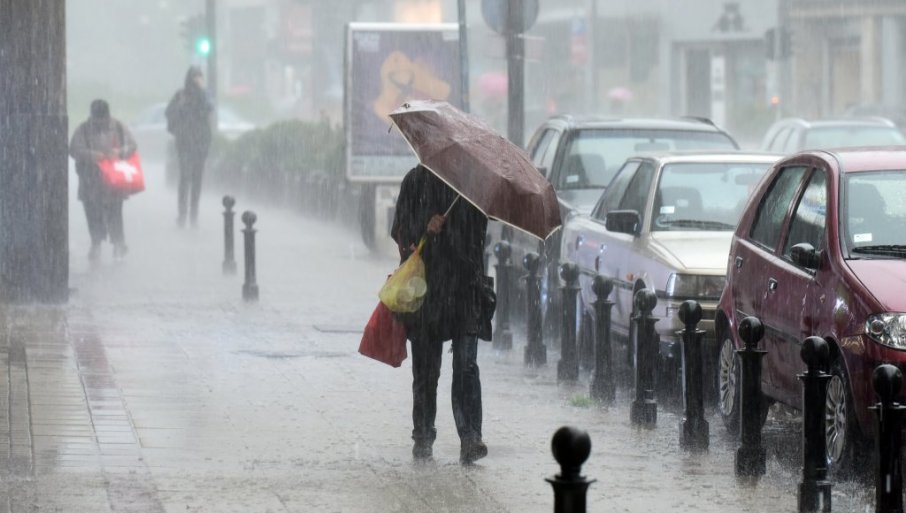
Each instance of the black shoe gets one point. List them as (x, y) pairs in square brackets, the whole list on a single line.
[(120, 250), (472, 451), (422, 450)]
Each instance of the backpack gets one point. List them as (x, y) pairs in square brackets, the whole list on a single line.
[(175, 113)]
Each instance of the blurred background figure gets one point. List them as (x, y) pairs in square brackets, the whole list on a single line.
[(101, 137), (189, 116)]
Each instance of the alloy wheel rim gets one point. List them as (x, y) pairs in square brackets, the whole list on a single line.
[(835, 418), (727, 378)]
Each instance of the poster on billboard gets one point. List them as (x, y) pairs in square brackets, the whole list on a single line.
[(387, 65)]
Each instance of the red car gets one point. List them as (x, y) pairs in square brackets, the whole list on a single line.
[(821, 250)]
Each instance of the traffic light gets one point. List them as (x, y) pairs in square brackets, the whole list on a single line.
[(195, 34)]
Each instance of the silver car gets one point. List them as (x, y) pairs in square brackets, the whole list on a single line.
[(664, 223)]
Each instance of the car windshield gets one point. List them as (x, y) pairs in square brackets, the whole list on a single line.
[(851, 136), (595, 155), (874, 214), (704, 196)]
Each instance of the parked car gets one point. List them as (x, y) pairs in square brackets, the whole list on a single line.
[(796, 134), (579, 156), (820, 250), (664, 224)]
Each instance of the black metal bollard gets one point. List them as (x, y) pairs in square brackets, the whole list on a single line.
[(694, 431), (571, 448), (602, 384), (814, 489), (643, 411), (229, 260), (750, 457), (503, 338), (568, 366), (887, 380), (535, 350), (250, 287)]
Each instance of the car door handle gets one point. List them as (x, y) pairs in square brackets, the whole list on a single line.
[(579, 240), (739, 262), (772, 284)]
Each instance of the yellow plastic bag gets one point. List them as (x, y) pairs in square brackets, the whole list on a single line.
[(405, 290)]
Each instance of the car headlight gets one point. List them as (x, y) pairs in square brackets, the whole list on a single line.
[(888, 329), (693, 286)]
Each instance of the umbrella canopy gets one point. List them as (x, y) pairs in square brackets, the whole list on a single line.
[(481, 165)]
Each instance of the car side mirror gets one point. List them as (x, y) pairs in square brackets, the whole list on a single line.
[(542, 170), (623, 221), (805, 255)]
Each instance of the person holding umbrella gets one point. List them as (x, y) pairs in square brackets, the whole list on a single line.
[(452, 309), (467, 174)]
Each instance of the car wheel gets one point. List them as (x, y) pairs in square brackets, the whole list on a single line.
[(550, 302), (728, 385), (842, 434), (586, 338)]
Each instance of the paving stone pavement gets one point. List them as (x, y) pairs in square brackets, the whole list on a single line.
[(157, 389)]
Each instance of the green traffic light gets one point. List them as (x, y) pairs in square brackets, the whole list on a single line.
[(203, 46)]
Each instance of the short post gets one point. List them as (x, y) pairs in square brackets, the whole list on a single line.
[(250, 287), (751, 456), (814, 489), (229, 260), (535, 350), (568, 366), (643, 411), (887, 380), (503, 338), (602, 384), (694, 431), (571, 448)]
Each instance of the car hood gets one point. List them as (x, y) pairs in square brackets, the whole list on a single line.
[(705, 251), (581, 200), (885, 279)]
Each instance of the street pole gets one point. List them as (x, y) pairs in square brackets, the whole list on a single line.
[(211, 19), (515, 51), (34, 222), (463, 55)]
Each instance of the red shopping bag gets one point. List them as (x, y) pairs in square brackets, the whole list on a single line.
[(123, 175), (384, 338)]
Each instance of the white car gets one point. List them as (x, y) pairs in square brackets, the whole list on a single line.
[(664, 223)]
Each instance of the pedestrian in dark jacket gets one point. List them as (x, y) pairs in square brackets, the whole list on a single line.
[(101, 137), (189, 116), (452, 310)]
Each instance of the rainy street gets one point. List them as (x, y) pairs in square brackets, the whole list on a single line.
[(134, 397)]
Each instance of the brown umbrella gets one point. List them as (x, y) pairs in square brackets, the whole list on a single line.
[(481, 165)]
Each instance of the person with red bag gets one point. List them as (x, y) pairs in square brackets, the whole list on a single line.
[(101, 137)]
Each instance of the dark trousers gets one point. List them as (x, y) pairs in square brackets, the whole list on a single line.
[(105, 218), (466, 390), (191, 169)]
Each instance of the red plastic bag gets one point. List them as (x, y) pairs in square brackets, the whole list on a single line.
[(123, 175), (384, 338)]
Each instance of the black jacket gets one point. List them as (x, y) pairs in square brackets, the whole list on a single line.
[(189, 117), (456, 302)]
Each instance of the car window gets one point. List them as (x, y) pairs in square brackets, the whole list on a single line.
[(541, 147), (704, 195), (792, 141), (774, 207), (861, 135), (779, 140), (874, 212), (616, 189), (808, 220), (547, 160), (637, 192), (595, 154)]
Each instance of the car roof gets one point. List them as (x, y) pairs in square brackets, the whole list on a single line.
[(709, 156), (836, 123), (591, 121), (856, 160)]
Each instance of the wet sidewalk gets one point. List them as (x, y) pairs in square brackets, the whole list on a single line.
[(158, 389)]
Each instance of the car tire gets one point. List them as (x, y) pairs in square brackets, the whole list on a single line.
[(844, 439), (728, 385), (586, 338), (728, 388)]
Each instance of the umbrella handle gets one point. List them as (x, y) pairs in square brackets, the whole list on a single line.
[(452, 205), (421, 243)]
